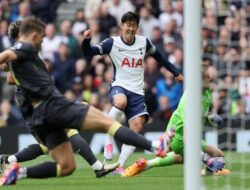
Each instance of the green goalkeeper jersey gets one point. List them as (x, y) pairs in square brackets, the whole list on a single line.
[(177, 119)]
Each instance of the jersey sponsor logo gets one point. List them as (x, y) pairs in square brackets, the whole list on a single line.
[(132, 63), (121, 50)]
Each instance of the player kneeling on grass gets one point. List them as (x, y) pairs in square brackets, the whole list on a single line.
[(31, 152), (79, 145), (211, 156)]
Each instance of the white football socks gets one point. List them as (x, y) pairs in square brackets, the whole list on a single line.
[(126, 151), (12, 159), (97, 165), (22, 173), (116, 114), (155, 145), (108, 147)]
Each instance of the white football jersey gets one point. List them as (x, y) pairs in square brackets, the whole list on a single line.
[(128, 60), (128, 63)]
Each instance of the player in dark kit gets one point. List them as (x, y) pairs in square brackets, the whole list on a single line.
[(52, 112), (34, 150)]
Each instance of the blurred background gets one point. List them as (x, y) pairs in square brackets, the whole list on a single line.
[(225, 43)]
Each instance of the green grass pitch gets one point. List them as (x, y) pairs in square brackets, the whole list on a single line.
[(155, 179)]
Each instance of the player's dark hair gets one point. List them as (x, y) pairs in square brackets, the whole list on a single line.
[(31, 24), (14, 29), (130, 16)]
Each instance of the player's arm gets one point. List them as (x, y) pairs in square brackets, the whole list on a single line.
[(10, 79), (214, 119), (99, 49), (213, 163), (151, 49), (4, 67), (6, 56)]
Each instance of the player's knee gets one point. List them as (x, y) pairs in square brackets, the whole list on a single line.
[(120, 102), (214, 151), (107, 123), (136, 124), (71, 169), (178, 159), (221, 154), (67, 168), (136, 127)]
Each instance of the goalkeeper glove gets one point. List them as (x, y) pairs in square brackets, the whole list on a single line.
[(215, 120), (215, 164)]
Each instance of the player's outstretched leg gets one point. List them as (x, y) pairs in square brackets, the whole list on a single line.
[(29, 153), (141, 164), (96, 120), (64, 165), (81, 147), (60, 150)]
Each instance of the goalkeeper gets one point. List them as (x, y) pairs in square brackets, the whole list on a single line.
[(211, 156)]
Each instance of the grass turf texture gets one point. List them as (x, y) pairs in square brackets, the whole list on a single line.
[(154, 179)]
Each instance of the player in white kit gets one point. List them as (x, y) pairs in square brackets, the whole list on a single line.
[(127, 53)]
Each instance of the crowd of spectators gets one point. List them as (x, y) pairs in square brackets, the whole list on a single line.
[(225, 43)]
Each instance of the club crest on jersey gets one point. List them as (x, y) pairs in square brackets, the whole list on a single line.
[(132, 63)]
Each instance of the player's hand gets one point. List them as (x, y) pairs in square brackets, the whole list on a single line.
[(215, 119), (87, 34), (215, 164), (179, 78)]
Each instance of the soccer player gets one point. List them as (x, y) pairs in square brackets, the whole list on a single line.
[(211, 156), (80, 146), (52, 112), (33, 151), (127, 53)]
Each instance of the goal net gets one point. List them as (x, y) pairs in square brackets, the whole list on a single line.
[(226, 45)]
